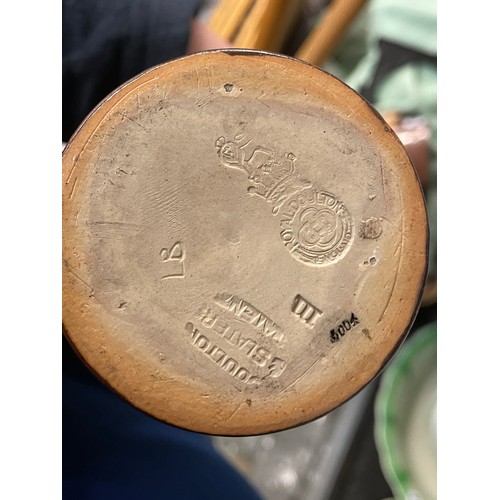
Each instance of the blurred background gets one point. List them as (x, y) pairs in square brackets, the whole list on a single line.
[(381, 444)]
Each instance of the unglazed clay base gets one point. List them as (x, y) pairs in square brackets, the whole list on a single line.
[(244, 240)]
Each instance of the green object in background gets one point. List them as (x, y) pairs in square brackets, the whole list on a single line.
[(405, 418), (410, 88)]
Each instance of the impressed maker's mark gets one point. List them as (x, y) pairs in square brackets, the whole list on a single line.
[(316, 228)]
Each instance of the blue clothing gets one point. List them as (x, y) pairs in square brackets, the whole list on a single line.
[(105, 43), (112, 451)]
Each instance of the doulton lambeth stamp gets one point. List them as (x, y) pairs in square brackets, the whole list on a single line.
[(315, 226)]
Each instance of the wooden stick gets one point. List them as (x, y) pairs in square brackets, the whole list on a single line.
[(286, 22), (267, 24), (252, 28), (228, 17), (218, 15), (326, 34)]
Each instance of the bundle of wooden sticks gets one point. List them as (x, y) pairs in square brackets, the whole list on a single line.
[(267, 24)]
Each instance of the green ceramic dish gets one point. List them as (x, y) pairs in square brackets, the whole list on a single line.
[(405, 418)]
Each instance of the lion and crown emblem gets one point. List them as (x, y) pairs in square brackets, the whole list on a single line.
[(272, 177)]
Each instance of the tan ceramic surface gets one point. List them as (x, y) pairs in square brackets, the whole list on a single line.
[(244, 242)]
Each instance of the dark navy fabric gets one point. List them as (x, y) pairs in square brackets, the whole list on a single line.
[(112, 451), (105, 43)]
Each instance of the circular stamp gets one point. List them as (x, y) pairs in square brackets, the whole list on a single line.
[(316, 227)]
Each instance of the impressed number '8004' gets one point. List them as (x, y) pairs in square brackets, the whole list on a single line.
[(339, 331)]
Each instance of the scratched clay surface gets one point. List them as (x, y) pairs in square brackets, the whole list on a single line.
[(244, 242)]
